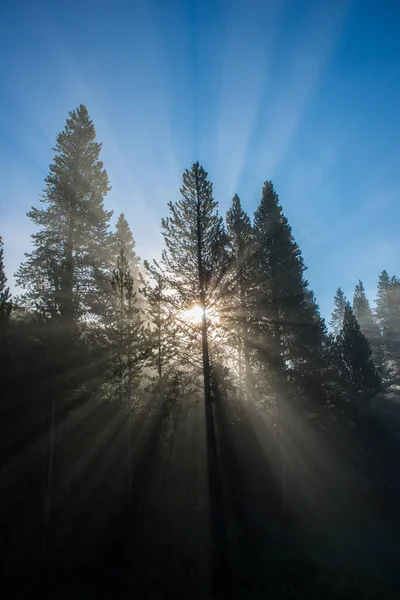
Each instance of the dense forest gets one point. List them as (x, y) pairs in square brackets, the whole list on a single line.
[(191, 427)]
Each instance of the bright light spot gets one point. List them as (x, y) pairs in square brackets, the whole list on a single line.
[(194, 314)]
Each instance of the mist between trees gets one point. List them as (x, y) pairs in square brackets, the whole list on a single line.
[(191, 427)]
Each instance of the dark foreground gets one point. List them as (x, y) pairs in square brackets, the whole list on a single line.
[(297, 523)]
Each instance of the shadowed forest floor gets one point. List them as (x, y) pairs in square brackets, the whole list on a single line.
[(319, 542)]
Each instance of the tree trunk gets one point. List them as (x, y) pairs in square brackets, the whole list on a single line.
[(240, 359), (281, 392), (217, 523), (218, 557), (129, 401), (159, 358), (246, 351), (69, 257)]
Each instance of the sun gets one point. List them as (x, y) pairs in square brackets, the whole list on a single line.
[(194, 314)]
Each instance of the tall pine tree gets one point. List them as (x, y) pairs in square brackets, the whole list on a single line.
[(126, 334), (240, 236), (129, 346), (65, 279), (194, 259), (286, 328), (286, 324), (195, 262), (66, 273)]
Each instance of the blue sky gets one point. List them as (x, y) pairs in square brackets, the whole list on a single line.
[(305, 93)]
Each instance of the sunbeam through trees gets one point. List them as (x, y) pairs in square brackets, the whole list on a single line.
[(190, 427)]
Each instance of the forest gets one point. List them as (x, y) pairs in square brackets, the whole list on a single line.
[(191, 427)]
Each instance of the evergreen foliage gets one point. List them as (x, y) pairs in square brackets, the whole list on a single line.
[(287, 327), (388, 318), (129, 345), (124, 238), (194, 258), (195, 261), (363, 312), (359, 374), (5, 312), (278, 275), (164, 329), (66, 273), (365, 317), (5, 294), (336, 322), (235, 309), (382, 311)]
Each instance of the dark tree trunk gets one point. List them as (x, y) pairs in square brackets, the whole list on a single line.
[(218, 558), (219, 564), (67, 292), (244, 335)]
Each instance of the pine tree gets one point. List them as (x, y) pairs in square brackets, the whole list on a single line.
[(286, 328), (359, 374), (334, 377), (5, 294), (336, 321), (277, 262), (382, 311), (65, 275), (194, 262), (128, 345), (388, 317), (194, 259), (5, 312), (240, 236), (393, 338), (65, 282), (363, 312), (163, 328), (285, 319), (365, 317), (126, 333), (311, 360), (124, 237)]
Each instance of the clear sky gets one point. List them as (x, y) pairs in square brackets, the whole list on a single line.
[(305, 93)]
